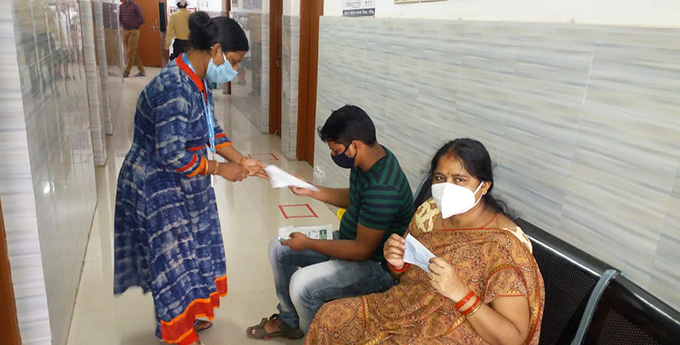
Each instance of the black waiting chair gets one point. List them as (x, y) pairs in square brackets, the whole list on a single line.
[(573, 282), (628, 315)]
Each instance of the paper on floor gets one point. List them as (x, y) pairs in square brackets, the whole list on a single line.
[(416, 253), (281, 179)]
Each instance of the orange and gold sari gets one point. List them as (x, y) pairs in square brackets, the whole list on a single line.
[(493, 262)]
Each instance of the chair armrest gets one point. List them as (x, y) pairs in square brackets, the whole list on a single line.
[(588, 313)]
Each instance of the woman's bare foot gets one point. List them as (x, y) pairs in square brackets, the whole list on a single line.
[(201, 325)]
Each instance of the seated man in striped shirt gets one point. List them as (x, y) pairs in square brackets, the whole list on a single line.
[(309, 272)]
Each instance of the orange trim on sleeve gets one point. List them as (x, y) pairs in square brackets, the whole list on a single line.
[(228, 143), (196, 148), (186, 167), (220, 135), (200, 168), (181, 328)]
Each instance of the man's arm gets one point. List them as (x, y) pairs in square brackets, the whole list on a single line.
[(359, 249), (140, 16), (335, 196)]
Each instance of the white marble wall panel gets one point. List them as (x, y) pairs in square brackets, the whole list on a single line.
[(665, 272), (102, 66), (582, 121), (250, 90), (114, 60), (16, 185), (289, 89), (94, 91), (47, 181)]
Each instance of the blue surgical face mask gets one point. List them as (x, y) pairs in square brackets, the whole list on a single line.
[(223, 73), (343, 160)]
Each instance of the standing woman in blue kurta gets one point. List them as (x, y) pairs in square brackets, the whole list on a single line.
[(167, 230)]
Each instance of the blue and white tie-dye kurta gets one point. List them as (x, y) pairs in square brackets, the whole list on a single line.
[(167, 231)]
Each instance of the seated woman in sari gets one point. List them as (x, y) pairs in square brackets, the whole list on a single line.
[(484, 286)]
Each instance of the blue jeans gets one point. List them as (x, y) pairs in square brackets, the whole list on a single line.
[(305, 280)]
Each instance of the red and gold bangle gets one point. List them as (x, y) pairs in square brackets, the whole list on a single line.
[(467, 311), (479, 306), (399, 270), (462, 302)]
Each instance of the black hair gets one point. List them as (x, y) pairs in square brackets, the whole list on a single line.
[(204, 32), (347, 124), (476, 160), (179, 4)]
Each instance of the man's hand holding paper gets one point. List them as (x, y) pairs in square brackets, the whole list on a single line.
[(280, 179)]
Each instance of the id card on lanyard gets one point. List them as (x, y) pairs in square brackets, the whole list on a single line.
[(210, 119)]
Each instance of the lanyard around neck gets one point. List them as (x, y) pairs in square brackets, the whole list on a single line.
[(210, 119)]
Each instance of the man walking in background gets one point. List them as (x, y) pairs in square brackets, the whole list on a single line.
[(131, 18), (178, 28)]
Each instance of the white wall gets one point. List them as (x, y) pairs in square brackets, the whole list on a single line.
[(663, 13), (580, 120), (203, 5), (262, 7), (47, 180), (292, 7)]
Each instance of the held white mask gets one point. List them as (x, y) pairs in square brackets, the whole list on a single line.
[(453, 199)]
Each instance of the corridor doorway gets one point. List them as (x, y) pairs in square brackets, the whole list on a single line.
[(150, 46)]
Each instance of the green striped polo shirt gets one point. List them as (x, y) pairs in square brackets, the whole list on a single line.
[(380, 199)]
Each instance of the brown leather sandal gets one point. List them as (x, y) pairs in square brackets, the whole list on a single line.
[(285, 330)]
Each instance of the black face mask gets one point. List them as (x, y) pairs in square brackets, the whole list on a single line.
[(343, 160)]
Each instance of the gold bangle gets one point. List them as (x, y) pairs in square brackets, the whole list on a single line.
[(474, 310), (217, 167), (243, 161)]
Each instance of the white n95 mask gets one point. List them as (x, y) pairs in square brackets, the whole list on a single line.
[(453, 199)]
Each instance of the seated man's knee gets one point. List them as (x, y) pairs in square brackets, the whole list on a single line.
[(301, 287), (276, 249)]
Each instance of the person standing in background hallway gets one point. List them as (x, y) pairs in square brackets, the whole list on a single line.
[(131, 18), (178, 28)]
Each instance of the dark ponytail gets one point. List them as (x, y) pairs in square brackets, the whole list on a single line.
[(205, 32)]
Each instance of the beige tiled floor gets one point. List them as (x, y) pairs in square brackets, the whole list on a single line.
[(249, 215)]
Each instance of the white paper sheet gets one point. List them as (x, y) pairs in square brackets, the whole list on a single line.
[(416, 253), (320, 232), (281, 179)]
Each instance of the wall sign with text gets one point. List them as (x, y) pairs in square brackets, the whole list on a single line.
[(411, 1), (358, 8)]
